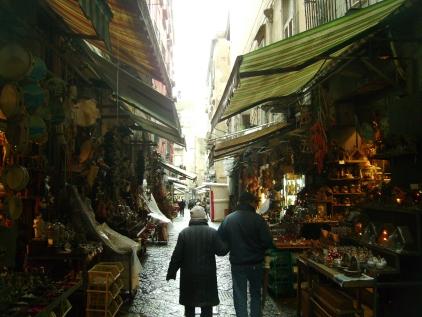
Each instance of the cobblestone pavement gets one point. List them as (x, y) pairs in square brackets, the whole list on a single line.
[(159, 298)]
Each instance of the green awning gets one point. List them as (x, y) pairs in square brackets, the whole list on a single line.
[(287, 66), (100, 15), (239, 144), (160, 130), (135, 92)]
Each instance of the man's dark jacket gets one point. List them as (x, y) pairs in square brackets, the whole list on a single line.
[(247, 235), (194, 254)]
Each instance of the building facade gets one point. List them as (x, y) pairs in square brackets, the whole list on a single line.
[(161, 13)]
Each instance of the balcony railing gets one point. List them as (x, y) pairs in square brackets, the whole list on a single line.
[(318, 12)]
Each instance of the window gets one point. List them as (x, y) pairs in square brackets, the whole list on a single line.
[(288, 9), (246, 121)]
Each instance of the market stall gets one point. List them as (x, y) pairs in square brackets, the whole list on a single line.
[(351, 234), (72, 171)]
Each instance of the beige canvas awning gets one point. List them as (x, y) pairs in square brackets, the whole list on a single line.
[(179, 171)]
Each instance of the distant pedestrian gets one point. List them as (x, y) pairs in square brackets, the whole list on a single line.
[(248, 236), (191, 204), (194, 255), (182, 205)]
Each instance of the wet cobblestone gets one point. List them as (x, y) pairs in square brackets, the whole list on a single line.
[(159, 298)]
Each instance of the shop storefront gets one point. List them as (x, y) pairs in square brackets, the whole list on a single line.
[(349, 243), (72, 169)]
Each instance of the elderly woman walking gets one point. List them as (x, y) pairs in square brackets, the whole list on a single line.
[(194, 255)]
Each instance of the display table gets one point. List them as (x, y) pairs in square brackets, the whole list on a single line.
[(41, 303), (307, 268), (80, 261), (59, 302), (293, 247)]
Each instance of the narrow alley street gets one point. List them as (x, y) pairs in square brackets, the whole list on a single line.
[(159, 298)]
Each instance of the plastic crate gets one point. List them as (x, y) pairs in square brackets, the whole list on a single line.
[(102, 276), (116, 287), (98, 300), (119, 265), (281, 266), (280, 282), (110, 311), (280, 276), (282, 259), (281, 289)]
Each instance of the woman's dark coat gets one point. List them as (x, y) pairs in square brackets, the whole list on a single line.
[(194, 254)]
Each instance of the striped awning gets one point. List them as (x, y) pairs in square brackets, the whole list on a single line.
[(135, 93), (237, 145), (160, 130), (99, 13), (131, 35), (178, 171), (286, 67)]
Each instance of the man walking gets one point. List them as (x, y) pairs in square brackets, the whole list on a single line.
[(194, 254), (248, 236)]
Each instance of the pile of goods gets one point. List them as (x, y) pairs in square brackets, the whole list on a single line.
[(350, 260), (155, 180), (27, 294)]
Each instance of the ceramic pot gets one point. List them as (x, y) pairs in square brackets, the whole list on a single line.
[(16, 177), (10, 100), (15, 61)]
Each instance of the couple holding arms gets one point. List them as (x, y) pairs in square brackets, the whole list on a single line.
[(245, 235)]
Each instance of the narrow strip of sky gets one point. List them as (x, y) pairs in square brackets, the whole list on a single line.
[(196, 23)]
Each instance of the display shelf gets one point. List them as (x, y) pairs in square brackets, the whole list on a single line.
[(59, 301), (344, 162), (392, 155), (65, 309), (102, 275), (111, 312), (345, 179), (388, 270), (335, 275), (381, 248), (391, 208), (104, 286), (118, 265), (361, 193)]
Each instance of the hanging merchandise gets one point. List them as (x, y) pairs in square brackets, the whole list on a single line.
[(57, 92), (86, 151), (38, 70), (14, 207), (86, 113), (10, 100), (37, 129), (33, 96), (17, 133), (16, 177), (15, 62)]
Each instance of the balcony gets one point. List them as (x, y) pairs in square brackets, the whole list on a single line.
[(318, 12)]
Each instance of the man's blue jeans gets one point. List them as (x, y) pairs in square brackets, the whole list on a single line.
[(241, 274)]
